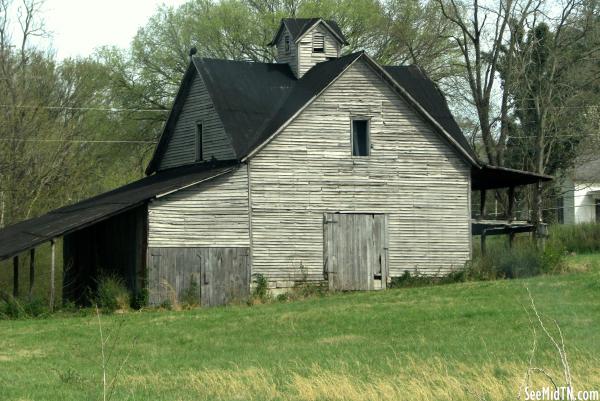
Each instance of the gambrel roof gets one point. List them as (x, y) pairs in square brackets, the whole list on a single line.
[(297, 27), (255, 100)]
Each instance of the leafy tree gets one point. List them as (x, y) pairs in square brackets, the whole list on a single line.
[(51, 114), (147, 75)]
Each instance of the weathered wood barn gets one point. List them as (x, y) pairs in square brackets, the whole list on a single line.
[(321, 167)]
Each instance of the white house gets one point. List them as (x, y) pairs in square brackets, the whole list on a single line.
[(581, 193)]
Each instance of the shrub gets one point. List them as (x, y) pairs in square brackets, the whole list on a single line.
[(13, 308), (580, 238), (524, 259), (408, 280), (283, 297), (112, 293), (415, 279), (166, 304), (261, 290), (191, 295), (306, 289), (141, 299)]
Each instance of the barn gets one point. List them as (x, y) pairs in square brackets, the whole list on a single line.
[(323, 167)]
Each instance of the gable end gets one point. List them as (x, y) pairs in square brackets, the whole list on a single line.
[(463, 150), (193, 106)]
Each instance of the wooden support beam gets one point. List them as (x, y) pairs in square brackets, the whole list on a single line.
[(31, 271), (511, 204), (483, 250), (482, 193), (511, 239), (52, 269), (16, 276)]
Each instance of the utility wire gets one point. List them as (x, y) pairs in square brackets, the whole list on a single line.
[(74, 140), (111, 109)]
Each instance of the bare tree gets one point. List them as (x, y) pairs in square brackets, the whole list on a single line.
[(552, 69), (42, 111), (485, 32)]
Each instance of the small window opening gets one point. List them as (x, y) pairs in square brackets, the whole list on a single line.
[(199, 156), (286, 41), (360, 137), (318, 43)]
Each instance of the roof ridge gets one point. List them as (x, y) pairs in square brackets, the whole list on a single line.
[(204, 59)]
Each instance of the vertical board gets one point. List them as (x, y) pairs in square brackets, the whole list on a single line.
[(355, 250), (217, 276), (225, 276)]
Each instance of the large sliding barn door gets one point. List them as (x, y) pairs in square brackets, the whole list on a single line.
[(355, 250), (218, 276)]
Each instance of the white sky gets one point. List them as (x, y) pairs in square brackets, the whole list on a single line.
[(79, 26)]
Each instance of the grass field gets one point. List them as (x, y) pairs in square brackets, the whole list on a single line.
[(450, 342)]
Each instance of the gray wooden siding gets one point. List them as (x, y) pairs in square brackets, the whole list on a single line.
[(198, 107), (306, 58), (213, 214), (287, 57), (214, 276), (355, 250), (412, 175)]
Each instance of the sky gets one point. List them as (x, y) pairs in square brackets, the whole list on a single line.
[(79, 26)]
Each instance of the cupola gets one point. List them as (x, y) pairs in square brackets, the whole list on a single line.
[(304, 42)]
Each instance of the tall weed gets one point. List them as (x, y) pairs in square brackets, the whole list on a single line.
[(112, 293), (579, 238)]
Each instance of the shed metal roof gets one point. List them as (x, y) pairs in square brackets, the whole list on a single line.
[(493, 177), (30, 233)]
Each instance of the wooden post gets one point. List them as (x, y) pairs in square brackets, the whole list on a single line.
[(52, 268), (31, 271), (482, 204), (510, 214), (511, 204), (16, 276), (483, 242)]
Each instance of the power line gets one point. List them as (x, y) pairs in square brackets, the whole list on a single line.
[(111, 109), (76, 140)]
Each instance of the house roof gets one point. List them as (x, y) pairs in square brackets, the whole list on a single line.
[(254, 100), (30, 233), (297, 27)]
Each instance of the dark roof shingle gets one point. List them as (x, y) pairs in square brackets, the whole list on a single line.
[(253, 100)]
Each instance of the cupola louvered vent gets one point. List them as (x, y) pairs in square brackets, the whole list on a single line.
[(318, 43)]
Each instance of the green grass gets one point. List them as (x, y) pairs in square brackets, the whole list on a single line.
[(449, 342)]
